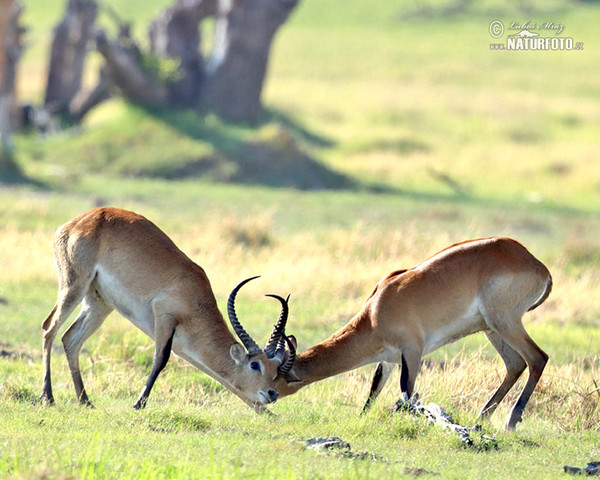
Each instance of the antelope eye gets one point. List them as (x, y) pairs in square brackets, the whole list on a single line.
[(255, 366)]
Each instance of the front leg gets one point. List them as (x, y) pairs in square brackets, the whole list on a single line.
[(382, 373), (411, 362), (162, 351)]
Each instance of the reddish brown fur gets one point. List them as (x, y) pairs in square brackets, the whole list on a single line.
[(115, 259), (485, 284)]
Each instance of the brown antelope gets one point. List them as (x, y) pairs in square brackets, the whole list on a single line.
[(480, 285), (110, 259)]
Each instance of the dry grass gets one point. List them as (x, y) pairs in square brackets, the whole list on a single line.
[(26, 255), (567, 396), (339, 263)]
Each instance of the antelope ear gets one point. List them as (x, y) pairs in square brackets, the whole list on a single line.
[(291, 377), (294, 341), (238, 353)]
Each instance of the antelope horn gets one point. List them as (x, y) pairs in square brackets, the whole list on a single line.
[(289, 363), (278, 328), (247, 341), (281, 353)]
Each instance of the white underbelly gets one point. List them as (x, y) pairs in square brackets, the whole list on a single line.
[(137, 309), (456, 328)]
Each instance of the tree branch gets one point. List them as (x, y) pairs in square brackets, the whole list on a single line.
[(125, 71)]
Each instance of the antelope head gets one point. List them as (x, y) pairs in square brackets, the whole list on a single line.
[(258, 370)]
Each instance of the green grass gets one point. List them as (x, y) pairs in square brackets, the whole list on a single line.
[(214, 436), (428, 138)]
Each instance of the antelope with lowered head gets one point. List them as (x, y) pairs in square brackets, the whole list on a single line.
[(111, 259), (480, 285)]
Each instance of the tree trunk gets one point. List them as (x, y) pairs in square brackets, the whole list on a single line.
[(244, 32), (10, 52), (67, 55), (175, 34)]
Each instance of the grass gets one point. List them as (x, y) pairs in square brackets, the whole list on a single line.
[(193, 427), (190, 431), (424, 138)]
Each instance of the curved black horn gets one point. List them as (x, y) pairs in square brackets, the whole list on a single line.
[(279, 327), (247, 341), (289, 363)]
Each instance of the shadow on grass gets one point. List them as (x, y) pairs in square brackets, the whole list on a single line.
[(274, 158), (11, 174), (275, 153)]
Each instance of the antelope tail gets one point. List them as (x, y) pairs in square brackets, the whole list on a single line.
[(544, 296)]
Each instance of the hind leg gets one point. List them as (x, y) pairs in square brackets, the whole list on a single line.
[(510, 328), (68, 299), (93, 313), (536, 360), (515, 365)]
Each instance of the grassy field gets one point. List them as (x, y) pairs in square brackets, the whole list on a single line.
[(391, 132)]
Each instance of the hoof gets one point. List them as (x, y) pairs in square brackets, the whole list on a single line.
[(406, 404), (47, 399), (511, 425)]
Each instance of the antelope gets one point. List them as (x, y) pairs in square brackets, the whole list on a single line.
[(480, 285), (110, 259)]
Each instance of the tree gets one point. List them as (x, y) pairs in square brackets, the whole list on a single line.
[(175, 34), (229, 82), (237, 71), (68, 53), (10, 52)]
